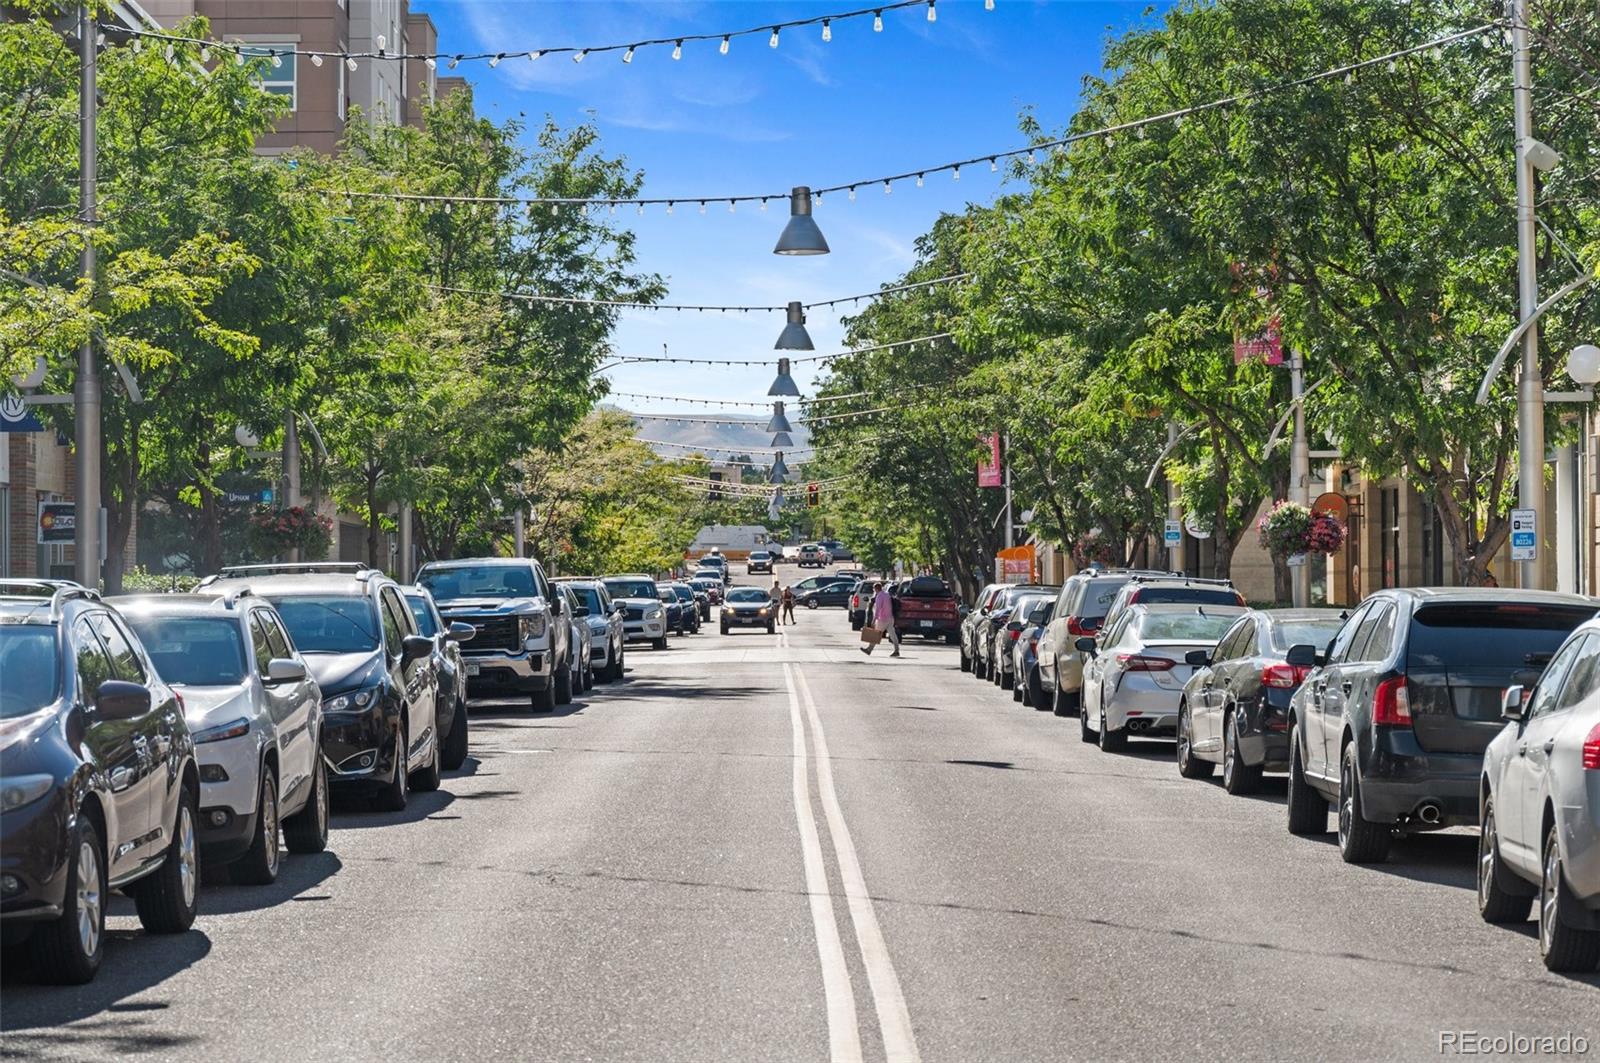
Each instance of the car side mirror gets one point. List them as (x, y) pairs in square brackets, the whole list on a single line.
[(963, 610), (1084, 644), (285, 670), (1513, 703), (1198, 658), (617, 608), (460, 631), (582, 610), (415, 647), (555, 605), (1302, 656), (118, 700)]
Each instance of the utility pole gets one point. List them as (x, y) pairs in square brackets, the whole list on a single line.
[(405, 543), (519, 540), (1299, 471), (1530, 383), (291, 469), (86, 391), (1174, 510)]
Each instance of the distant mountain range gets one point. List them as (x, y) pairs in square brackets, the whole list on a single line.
[(720, 441)]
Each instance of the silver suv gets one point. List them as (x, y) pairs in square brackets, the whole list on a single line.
[(256, 717), (523, 640), (1080, 609)]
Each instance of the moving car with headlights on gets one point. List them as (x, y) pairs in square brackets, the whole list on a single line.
[(99, 788), (523, 644), (643, 616), (255, 715), (1134, 677), (1235, 707), (1392, 724), (606, 631), (380, 703), (1539, 803), (759, 561), (749, 607), (451, 668)]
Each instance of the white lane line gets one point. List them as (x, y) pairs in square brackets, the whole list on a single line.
[(844, 1039), (894, 1020)]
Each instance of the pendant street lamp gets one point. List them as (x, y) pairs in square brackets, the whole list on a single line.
[(782, 439), (1583, 364), (780, 471), (779, 422), (794, 336), (801, 236), (774, 504), (784, 384)]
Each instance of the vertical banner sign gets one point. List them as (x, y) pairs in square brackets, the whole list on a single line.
[(1524, 535), (989, 471), (1265, 345)]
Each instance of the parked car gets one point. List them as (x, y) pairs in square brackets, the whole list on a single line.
[(1392, 724), (689, 604), (759, 561), (749, 607), (644, 617), (676, 621), (582, 641), (969, 625), (380, 694), (711, 587), (523, 644), (1166, 589), (1025, 655), (858, 602), (1008, 632), (813, 555), (1080, 610), (255, 715), (607, 633), (926, 606), (1539, 806), (1134, 677), (1235, 707), (451, 668), (984, 660), (98, 781), (715, 560), (836, 550), (702, 602), (835, 592)]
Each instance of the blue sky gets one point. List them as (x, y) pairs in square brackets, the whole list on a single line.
[(760, 120)]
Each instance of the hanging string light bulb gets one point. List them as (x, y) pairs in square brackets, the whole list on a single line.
[(627, 56), (350, 63), (933, 12), (677, 49), (723, 47), (877, 22), (316, 60), (827, 31), (772, 42)]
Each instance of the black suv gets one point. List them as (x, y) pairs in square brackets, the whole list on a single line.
[(1392, 724), (98, 783), (382, 716)]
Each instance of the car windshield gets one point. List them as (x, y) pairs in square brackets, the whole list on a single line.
[(683, 592), (1097, 598), (1188, 627), (589, 598), (199, 651), (631, 588), (30, 663), (1186, 595), (424, 615), (759, 555), (748, 594), (329, 624), (1489, 635), (480, 581), (1316, 633), (666, 594)]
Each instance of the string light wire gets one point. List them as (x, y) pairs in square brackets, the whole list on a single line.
[(628, 304)]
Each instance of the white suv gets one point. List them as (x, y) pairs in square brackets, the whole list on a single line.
[(256, 717)]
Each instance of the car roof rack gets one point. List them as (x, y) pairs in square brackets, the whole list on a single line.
[(358, 569), (60, 591), (1178, 577)]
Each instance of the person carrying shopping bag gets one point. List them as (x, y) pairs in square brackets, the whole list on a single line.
[(882, 620)]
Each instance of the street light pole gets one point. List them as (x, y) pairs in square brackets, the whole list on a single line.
[(86, 390), (1299, 471), (1006, 457), (1530, 382), (1174, 510)]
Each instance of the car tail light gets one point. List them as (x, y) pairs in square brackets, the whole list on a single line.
[(1082, 625), (1591, 749), (1015, 635), (1138, 662), (1391, 703), (1283, 676), (1033, 644)]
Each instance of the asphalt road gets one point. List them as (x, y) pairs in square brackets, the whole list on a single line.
[(654, 873)]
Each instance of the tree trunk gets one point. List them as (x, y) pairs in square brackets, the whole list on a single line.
[(210, 521), (119, 490), (372, 472)]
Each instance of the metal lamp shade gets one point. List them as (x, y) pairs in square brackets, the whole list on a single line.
[(801, 236), (780, 471), (783, 439), (784, 384), (779, 422), (794, 336)]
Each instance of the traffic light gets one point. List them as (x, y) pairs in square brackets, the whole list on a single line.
[(813, 496)]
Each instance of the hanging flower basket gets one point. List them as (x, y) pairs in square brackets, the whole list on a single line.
[(1092, 549), (1289, 528), (274, 532)]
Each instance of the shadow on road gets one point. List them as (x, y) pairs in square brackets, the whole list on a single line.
[(134, 962), (298, 873), (355, 812)]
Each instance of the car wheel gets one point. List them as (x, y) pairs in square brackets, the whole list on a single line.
[(393, 797), (307, 830), (1189, 765), (1502, 896), (426, 780), (855, 625), (661, 643), (68, 950), (1308, 810), (1237, 776), (1063, 703), (1083, 727), (167, 899), (724, 630), (563, 684), (772, 628), (1018, 690), (1562, 946), (1033, 692), (1360, 841), (259, 865), (545, 700), (951, 638), (455, 746), (1110, 741), (966, 662)]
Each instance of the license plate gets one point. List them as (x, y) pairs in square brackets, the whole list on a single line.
[(472, 669), (927, 623)]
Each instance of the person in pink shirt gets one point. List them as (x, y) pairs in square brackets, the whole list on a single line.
[(883, 618)]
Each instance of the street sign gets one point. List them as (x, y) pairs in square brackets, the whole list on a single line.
[(1193, 524), (1524, 535), (57, 522), (15, 416), (1174, 533)]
